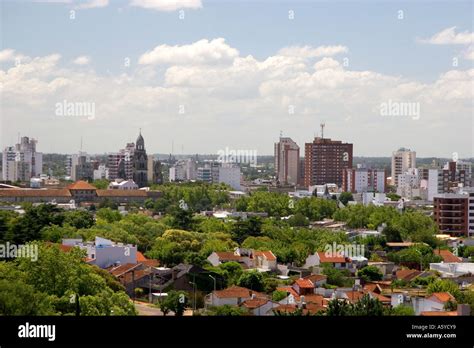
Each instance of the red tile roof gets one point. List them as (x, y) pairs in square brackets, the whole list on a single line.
[(237, 292), (332, 259), (316, 277), (267, 254), (81, 185), (228, 256), (141, 257), (35, 193), (441, 297), (121, 193), (254, 303), (447, 255), (304, 283)]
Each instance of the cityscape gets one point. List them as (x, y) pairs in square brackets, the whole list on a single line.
[(180, 168)]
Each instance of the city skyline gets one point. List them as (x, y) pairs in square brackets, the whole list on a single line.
[(205, 83)]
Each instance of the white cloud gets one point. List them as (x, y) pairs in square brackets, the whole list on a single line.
[(326, 63), (200, 52), (92, 4), (10, 55), (230, 104), (449, 36), (310, 52), (167, 5), (82, 60)]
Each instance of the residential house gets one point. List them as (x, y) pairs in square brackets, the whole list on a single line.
[(234, 296), (447, 255), (320, 258)]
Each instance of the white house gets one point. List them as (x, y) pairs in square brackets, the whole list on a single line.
[(233, 296), (123, 185), (319, 258)]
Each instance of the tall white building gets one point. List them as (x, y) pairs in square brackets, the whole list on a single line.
[(22, 162), (402, 160), (409, 183), (101, 173), (364, 180)]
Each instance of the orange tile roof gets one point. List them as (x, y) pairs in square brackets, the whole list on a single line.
[(439, 314), (267, 254), (354, 296), (254, 303), (316, 277), (121, 193), (81, 185), (35, 193), (228, 255), (237, 292), (447, 255), (141, 257), (315, 299), (441, 297), (304, 283), (333, 259)]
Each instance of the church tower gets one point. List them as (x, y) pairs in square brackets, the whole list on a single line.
[(140, 162)]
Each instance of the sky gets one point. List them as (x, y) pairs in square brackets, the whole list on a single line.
[(201, 76)]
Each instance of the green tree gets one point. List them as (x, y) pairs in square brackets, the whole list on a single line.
[(402, 310), (175, 301), (345, 197), (252, 280), (79, 219), (278, 295), (370, 273), (227, 310)]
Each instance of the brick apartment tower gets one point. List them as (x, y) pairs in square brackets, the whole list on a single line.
[(325, 161), (451, 212)]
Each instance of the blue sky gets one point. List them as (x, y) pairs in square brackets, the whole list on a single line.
[(377, 41)]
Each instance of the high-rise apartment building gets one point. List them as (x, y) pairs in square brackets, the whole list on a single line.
[(451, 213), (287, 161), (450, 178), (325, 160), (21, 162), (364, 180), (402, 160)]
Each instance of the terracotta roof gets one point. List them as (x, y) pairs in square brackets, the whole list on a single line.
[(304, 283), (336, 259), (316, 277), (81, 185), (150, 263), (439, 314), (228, 255), (441, 297), (354, 296), (35, 193), (381, 298), (447, 255), (237, 292), (315, 299), (141, 257), (254, 303), (267, 254), (407, 274), (119, 270), (121, 193), (310, 308)]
